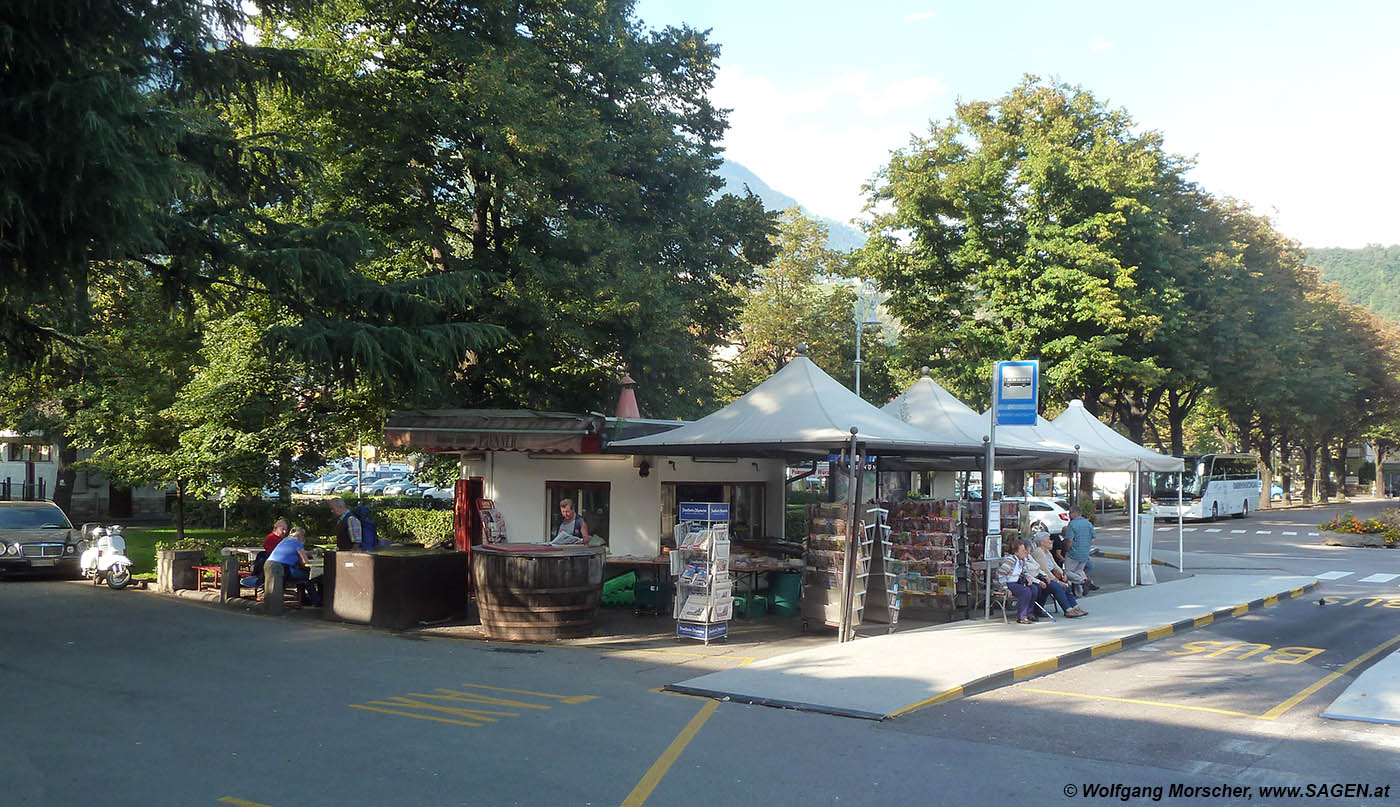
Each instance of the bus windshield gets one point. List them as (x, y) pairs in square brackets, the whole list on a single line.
[(1164, 484)]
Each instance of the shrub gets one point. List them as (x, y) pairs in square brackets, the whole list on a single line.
[(1348, 522), (795, 522), (413, 526)]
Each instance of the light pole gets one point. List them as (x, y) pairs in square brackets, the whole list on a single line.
[(867, 300)]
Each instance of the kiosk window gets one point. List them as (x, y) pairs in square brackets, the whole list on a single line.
[(745, 502), (591, 500)]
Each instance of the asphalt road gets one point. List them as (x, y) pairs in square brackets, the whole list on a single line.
[(132, 698)]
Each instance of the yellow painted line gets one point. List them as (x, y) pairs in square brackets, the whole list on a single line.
[(241, 803), (1272, 599), (654, 775), (1309, 691), (1035, 668), (1157, 633), (1295, 593), (1205, 619), (1139, 702), (946, 695), (1240, 610), (411, 714), (451, 698), (1105, 648), (469, 714), (564, 698), (474, 697)]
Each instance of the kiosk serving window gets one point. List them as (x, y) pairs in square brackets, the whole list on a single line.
[(745, 500), (591, 500)]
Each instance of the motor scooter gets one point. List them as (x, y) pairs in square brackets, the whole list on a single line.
[(105, 560)]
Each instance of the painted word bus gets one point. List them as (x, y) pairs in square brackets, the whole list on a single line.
[(1212, 486)]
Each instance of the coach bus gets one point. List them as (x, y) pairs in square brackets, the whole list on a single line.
[(1212, 486)]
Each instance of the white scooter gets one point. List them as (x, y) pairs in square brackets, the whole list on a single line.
[(106, 559)]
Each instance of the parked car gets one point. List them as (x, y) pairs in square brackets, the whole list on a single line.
[(382, 483), (403, 487), (1044, 514), (1276, 493), (37, 536), (327, 484), (441, 494)]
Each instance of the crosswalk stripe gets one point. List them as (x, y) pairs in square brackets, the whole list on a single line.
[(1213, 529), (1379, 578), (1312, 534), (1237, 532), (1263, 532), (1188, 529), (1333, 575), (1286, 532)]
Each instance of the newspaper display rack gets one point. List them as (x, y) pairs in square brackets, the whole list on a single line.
[(700, 563)]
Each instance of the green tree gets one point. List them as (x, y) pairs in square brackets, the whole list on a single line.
[(558, 149), (1037, 225), (803, 296)]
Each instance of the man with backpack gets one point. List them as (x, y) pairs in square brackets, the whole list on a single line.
[(353, 529)]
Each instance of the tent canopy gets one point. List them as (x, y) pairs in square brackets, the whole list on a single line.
[(1103, 449), (932, 408), (798, 412)]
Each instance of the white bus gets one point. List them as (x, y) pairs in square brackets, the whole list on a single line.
[(1212, 486)]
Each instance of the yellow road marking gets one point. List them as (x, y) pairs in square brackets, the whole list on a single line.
[(411, 714), (1157, 633), (653, 776), (1272, 599), (241, 803), (1035, 668), (472, 697), (1139, 702), (452, 698), (1240, 610), (1105, 648), (1205, 619), (1297, 592), (1307, 692), (564, 698), (946, 695), (470, 714)]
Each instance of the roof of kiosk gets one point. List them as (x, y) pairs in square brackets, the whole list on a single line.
[(799, 410), (1110, 450)]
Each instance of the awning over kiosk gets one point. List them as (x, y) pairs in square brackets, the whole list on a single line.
[(494, 430)]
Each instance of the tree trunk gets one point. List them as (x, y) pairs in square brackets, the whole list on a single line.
[(1378, 486), (180, 509), (1086, 487), (67, 475), (1309, 471), (1285, 453), (1015, 483), (1179, 406)]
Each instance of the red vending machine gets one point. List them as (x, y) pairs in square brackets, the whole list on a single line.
[(466, 520)]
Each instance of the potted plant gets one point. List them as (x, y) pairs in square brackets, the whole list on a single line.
[(1348, 530)]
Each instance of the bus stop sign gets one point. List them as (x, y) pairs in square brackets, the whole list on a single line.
[(1018, 390)]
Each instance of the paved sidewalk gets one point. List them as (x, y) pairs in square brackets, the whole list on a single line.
[(1374, 697), (886, 676)]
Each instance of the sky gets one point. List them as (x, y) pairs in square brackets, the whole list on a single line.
[(1290, 107)]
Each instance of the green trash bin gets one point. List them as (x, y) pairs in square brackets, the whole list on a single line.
[(785, 590)]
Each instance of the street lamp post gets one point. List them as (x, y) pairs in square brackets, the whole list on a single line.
[(867, 300)]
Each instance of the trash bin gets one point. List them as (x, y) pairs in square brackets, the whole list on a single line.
[(785, 590)]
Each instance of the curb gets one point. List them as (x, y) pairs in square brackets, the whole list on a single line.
[(1005, 677), (1121, 556)]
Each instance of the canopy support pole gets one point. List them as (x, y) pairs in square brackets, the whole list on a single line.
[(1180, 542)]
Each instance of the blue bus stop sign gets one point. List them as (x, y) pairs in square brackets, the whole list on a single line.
[(1017, 392)]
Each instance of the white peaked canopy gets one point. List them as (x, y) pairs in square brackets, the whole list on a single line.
[(932, 408), (799, 410), (1044, 434), (1103, 449)]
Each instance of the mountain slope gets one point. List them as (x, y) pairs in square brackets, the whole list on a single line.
[(840, 236), (1369, 276)]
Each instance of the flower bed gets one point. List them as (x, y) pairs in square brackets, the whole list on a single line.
[(1348, 530)]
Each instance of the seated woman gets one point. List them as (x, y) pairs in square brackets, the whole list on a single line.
[(1056, 582), (291, 552), (1013, 575)]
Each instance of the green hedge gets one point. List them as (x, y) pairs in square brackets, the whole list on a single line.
[(413, 526), (394, 521)]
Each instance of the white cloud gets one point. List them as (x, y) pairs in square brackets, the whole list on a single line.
[(918, 16), (820, 142)]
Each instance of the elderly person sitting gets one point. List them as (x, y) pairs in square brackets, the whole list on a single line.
[(1016, 574), (1054, 578)]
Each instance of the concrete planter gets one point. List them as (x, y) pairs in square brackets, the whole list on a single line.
[(175, 569), (1368, 539)]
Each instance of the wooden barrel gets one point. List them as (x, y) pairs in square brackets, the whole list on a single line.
[(537, 593)]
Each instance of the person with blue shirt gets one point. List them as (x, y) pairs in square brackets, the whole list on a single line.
[(1080, 534), (291, 553)]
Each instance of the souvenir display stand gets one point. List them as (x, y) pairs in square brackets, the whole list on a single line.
[(825, 560), (923, 553), (883, 600), (700, 563)]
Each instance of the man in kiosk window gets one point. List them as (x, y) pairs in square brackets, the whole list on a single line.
[(571, 528)]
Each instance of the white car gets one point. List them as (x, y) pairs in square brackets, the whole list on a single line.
[(442, 494), (403, 487), (1045, 513)]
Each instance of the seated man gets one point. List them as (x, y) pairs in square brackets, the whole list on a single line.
[(1056, 581), (291, 552)]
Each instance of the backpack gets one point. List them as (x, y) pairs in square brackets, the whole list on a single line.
[(369, 537)]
